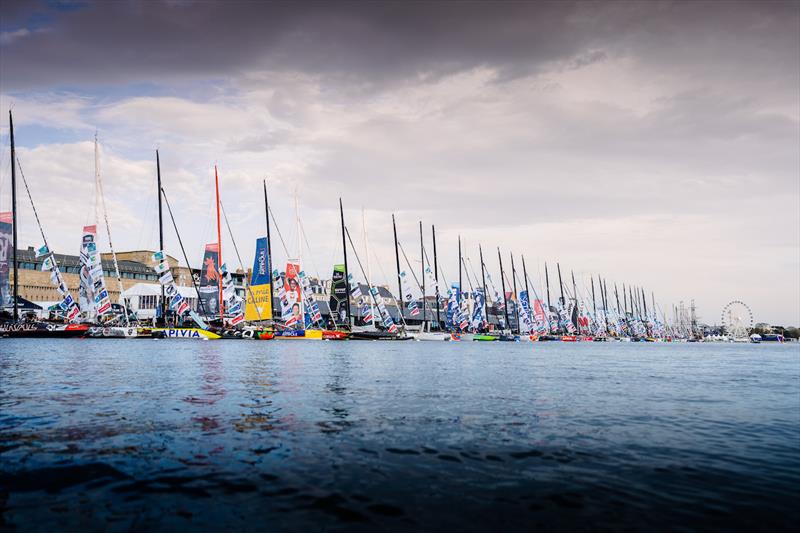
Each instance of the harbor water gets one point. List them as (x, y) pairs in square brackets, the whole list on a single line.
[(101, 434)]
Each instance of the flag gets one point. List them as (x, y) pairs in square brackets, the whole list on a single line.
[(356, 292), (175, 301), (161, 267), (170, 290), (42, 251), (166, 278), (235, 320), (158, 256), (47, 264), (392, 328), (104, 308), (183, 307), (73, 312)]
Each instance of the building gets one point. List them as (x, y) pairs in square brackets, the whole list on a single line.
[(135, 269)]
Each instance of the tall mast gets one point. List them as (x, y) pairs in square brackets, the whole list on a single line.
[(483, 278), (547, 282), (219, 250), (574, 288), (503, 285), (101, 194), (368, 274), (161, 234), (594, 302), (422, 267), (516, 299), (605, 296), (14, 213), (436, 276), (400, 298), (346, 273), (616, 296), (624, 299), (561, 285), (269, 243), (460, 289)]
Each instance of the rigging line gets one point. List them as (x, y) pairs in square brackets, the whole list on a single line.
[(274, 221), (30, 197), (409, 265), (99, 192), (361, 266), (183, 250), (396, 301), (313, 263), (239, 257)]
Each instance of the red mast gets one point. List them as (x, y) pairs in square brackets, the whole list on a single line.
[(219, 251)]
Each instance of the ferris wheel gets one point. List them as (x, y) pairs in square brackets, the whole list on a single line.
[(737, 319)]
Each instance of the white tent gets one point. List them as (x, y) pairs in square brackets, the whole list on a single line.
[(144, 298)]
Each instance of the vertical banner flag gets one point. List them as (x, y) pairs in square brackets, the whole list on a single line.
[(258, 303), (477, 311), (292, 304), (338, 301), (209, 280)]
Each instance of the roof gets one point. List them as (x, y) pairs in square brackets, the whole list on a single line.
[(152, 289), (64, 260)]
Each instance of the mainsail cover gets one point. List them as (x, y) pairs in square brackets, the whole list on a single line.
[(258, 304), (210, 280), (338, 301), (6, 242)]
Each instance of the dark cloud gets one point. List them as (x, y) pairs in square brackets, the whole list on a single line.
[(366, 42)]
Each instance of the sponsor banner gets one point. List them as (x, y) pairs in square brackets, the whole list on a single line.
[(338, 300), (41, 252), (477, 311), (258, 298), (210, 280), (294, 294)]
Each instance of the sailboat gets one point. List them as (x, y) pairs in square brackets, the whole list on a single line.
[(369, 302), (169, 288), (28, 327), (406, 295)]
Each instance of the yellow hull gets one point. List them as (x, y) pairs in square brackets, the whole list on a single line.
[(185, 333)]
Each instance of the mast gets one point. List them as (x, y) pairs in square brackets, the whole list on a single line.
[(605, 297), (503, 285), (346, 273), (99, 185), (624, 300), (422, 267), (574, 289), (604, 303), (368, 274), (561, 285), (483, 278), (14, 213), (400, 298), (547, 281), (460, 289), (436, 277), (616, 296), (594, 302), (219, 250), (161, 234), (269, 251), (516, 299)]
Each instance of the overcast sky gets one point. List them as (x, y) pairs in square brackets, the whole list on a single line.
[(651, 143)]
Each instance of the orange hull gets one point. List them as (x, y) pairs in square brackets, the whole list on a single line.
[(333, 335)]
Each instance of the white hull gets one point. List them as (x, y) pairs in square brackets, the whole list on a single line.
[(118, 332), (431, 336)]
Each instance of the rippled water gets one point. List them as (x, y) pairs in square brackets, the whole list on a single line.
[(161, 434)]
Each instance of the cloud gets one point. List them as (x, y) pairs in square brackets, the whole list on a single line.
[(654, 143)]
